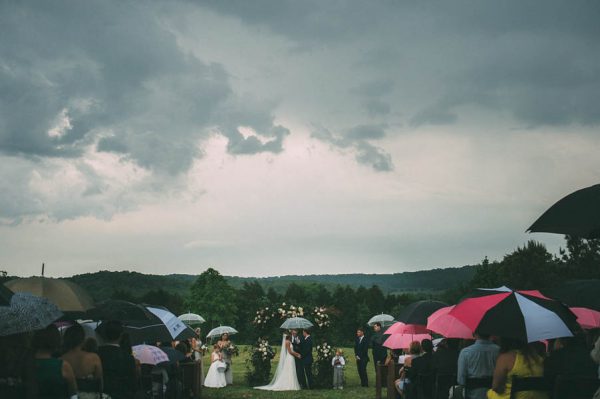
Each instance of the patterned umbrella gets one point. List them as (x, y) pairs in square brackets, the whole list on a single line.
[(148, 354), (528, 316), (163, 326), (27, 313), (588, 319)]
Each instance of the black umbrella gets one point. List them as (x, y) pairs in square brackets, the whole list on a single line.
[(163, 326), (5, 295), (418, 312), (114, 309), (577, 214), (577, 293)]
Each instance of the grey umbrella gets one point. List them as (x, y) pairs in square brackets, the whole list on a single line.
[(215, 332), (383, 319), (296, 322), (27, 313)]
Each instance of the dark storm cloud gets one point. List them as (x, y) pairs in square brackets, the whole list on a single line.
[(119, 77), (538, 61), (356, 139)]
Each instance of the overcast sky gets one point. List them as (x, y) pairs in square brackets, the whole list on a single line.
[(289, 137)]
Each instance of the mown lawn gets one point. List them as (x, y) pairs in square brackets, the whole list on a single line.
[(239, 389)]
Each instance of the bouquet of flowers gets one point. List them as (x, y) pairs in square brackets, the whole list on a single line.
[(321, 317), (231, 350), (324, 371), (258, 365), (286, 311)]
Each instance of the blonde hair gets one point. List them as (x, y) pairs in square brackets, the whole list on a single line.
[(340, 351)]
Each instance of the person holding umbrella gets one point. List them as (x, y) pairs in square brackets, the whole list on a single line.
[(379, 351), (118, 367)]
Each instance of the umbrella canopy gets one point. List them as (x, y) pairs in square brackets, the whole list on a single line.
[(296, 322), (27, 313), (447, 325), (401, 328), (403, 341), (5, 295), (176, 327), (383, 319), (191, 318), (148, 354), (579, 293), (218, 331), (588, 319), (418, 312), (527, 316), (163, 326), (68, 296), (577, 214), (114, 309)]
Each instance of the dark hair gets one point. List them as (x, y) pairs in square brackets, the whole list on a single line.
[(288, 337), (111, 330), (377, 324), (527, 350), (427, 345), (182, 347), (306, 331), (125, 342), (90, 345), (74, 336), (360, 329), (47, 339)]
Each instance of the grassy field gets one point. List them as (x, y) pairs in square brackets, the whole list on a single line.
[(239, 389)]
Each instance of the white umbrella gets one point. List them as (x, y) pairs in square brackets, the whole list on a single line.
[(27, 313), (173, 324), (148, 354), (383, 319), (296, 322), (215, 332), (191, 318)]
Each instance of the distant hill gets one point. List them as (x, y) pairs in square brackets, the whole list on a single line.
[(103, 284)]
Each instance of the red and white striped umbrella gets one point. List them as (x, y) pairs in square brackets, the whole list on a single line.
[(528, 316), (588, 319), (445, 324)]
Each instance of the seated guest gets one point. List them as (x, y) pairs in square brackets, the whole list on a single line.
[(17, 368), (86, 366), (570, 357), (421, 370), (125, 345), (185, 350), (445, 359), (118, 366), (477, 360), (520, 359), (55, 377), (90, 345), (403, 382)]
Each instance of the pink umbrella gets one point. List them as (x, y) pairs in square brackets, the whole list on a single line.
[(401, 328), (447, 325), (403, 341), (588, 319), (148, 354)]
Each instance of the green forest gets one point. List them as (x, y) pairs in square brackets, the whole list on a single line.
[(350, 299)]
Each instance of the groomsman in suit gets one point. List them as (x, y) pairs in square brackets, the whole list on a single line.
[(296, 347), (379, 351), (306, 347), (361, 351)]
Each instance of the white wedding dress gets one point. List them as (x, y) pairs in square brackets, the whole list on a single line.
[(285, 378)]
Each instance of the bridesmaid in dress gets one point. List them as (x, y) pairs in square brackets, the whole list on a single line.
[(224, 344)]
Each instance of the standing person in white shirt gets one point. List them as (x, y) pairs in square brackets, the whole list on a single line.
[(338, 362)]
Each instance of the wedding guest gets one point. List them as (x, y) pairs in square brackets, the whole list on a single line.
[(445, 358), (215, 378), (118, 366), (87, 366), (421, 368), (338, 362), (90, 345), (477, 360), (570, 357), (184, 349), (379, 351), (403, 382), (361, 352), (17, 368), (55, 377), (595, 354), (516, 358), (225, 347)]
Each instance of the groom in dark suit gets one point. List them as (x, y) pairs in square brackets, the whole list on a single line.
[(361, 351), (306, 347), (296, 347)]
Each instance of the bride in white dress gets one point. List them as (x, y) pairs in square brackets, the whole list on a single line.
[(285, 378)]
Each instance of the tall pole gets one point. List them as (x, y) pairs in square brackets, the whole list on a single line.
[(43, 269)]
